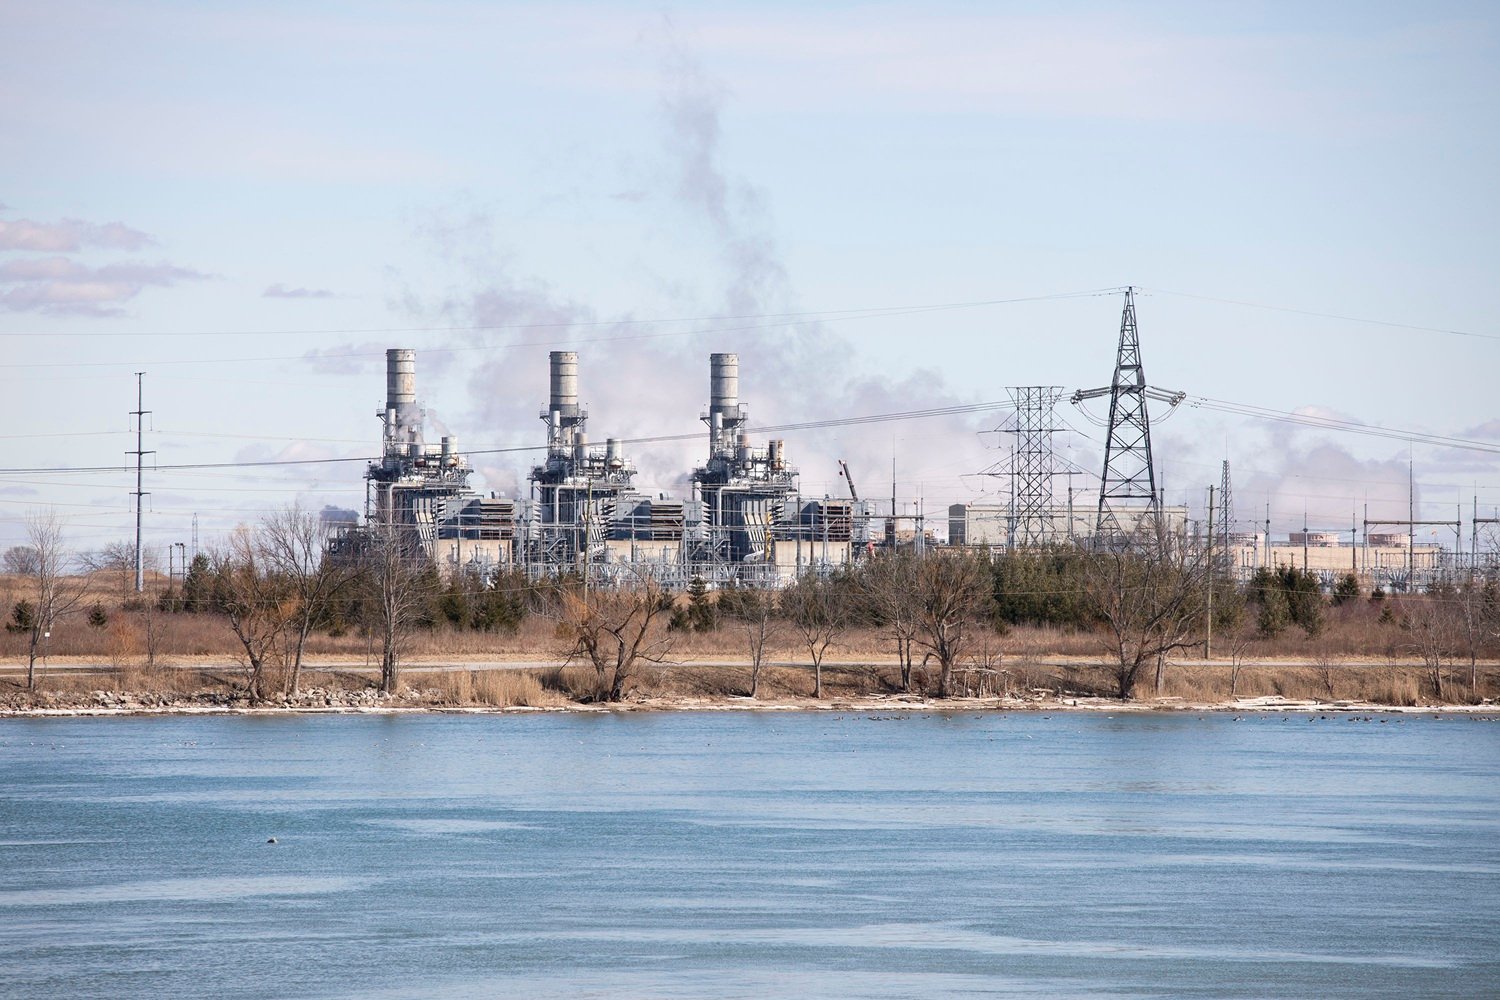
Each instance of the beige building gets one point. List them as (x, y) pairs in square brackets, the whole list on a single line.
[(990, 525)]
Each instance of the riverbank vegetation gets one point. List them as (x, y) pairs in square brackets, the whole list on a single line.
[(263, 617)]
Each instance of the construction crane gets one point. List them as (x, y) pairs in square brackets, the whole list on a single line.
[(844, 471)]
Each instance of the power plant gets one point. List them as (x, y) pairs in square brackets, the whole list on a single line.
[(744, 523), (415, 486)]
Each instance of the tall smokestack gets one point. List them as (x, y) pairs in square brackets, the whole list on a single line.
[(564, 381), (724, 383), (401, 416), (400, 378)]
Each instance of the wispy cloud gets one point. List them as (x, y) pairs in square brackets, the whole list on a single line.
[(1489, 429), (63, 285), (69, 236), (281, 291)]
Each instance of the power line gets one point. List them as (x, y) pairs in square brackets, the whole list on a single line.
[(938, 411), (862, 312), (550, 342), (1345, 426), (1324, 315)]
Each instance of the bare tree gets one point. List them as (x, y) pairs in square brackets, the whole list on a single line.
[(1432, 623), (119, 558), (1239, 638), (888, 590), (615, 630), (254, 601), (20, 560), (819, 613), (399, 578), (294, 543), (1327, 662), (53, 594), (1149, 596), (754, 612), (950, 587), (1470, 608)]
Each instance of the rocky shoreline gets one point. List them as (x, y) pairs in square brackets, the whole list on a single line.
[(319, 700)]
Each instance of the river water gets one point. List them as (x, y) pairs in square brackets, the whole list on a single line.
[(750, 855)]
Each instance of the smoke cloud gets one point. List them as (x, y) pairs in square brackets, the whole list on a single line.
[(647, 379)]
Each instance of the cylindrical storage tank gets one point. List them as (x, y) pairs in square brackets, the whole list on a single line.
[(773, 454), (564, 379), (743, 453), (450, 446), (400, 378), (612, 454), (580, 446), (723, 382)]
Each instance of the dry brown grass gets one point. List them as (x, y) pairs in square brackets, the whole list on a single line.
[(487, 688), (133, 679), (1381, 683)]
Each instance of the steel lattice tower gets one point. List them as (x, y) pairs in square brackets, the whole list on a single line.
[(1129, 478), (1032, 466), (1224, 518)]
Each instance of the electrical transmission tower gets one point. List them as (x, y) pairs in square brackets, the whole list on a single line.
[(1129, 479), (1224, 520), (1032, 466)]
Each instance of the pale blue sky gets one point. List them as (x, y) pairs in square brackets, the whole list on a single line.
[(447, 165)]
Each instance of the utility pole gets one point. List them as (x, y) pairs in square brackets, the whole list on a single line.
[(1304, 536), (588, 510), (891, 534), (1208, 634), (139, 412)]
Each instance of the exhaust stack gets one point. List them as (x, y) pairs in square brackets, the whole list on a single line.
[(403, 420), (563, 368), (724, 383), (400, 378)]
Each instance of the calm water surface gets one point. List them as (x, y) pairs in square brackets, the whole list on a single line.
[(740, 854)]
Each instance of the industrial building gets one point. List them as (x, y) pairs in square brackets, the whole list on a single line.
[(414, 485), (756, 529), (744, 523), (997, 526)]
